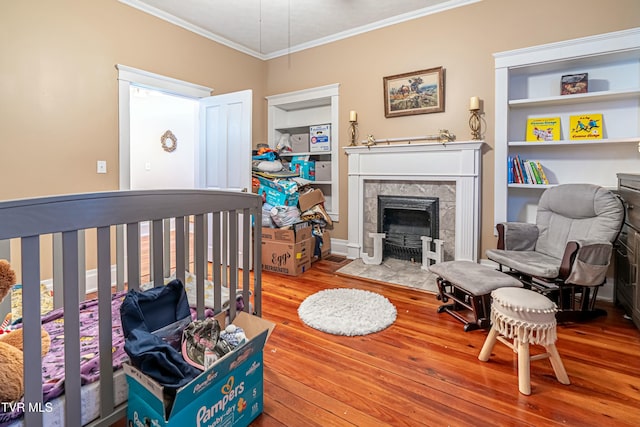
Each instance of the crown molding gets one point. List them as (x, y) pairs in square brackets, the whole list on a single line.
[(452, 4)]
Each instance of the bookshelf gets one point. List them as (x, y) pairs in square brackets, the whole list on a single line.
[(528, 86), (293, 113)]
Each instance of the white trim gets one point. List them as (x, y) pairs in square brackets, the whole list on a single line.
[(618, 41), (128, 76), (166, 84), (459, 162), (441, 7)]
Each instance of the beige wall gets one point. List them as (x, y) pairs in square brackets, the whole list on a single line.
[(59, 91), (58, 87), (462, 41)]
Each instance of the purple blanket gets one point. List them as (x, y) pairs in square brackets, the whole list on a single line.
[(53, 361)]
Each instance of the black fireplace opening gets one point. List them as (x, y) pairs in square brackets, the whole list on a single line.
[(404, 219)]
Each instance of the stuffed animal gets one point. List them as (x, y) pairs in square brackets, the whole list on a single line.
[(11, 343)]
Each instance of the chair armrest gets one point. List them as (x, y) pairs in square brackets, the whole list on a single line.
[(587, 261), (517, 236)]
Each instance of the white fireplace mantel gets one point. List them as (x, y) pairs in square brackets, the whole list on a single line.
[(458, 161)]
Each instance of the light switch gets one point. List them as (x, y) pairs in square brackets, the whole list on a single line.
[(102, 166)]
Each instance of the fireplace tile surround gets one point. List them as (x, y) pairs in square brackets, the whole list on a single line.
[(450, 171), (445, 191)]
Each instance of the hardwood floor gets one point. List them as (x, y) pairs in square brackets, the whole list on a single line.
[(424, 371)]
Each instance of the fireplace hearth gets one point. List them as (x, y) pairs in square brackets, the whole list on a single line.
[(404, 220)]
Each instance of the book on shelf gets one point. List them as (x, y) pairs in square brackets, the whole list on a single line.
[(585, 126), (543, 176), (522, 171), (543, 129), (572, 84)]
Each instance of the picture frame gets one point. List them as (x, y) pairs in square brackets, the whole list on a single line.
[(417, 92), (572, 84)]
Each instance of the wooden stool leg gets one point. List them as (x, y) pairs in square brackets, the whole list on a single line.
[(489, 342), (556, 363), (524, 372)]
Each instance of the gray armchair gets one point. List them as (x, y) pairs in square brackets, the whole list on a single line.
[(566, 253)]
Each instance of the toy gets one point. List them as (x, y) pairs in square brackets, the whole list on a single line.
[(11, 344)]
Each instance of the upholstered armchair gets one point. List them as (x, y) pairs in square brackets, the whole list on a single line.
[(566, 253)]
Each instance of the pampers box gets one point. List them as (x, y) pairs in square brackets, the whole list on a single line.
[(320, 138), (229, 393)]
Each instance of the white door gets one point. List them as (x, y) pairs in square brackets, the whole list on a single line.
[(224, 162), (225, 141)]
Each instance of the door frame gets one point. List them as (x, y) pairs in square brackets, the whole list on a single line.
[(128, 76)]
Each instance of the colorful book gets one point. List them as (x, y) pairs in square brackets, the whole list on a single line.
[(543, 176), (585, 126), (543, 129), (510, 175), (534, 172)]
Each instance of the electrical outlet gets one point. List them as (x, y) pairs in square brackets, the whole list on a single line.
[(102, 166)]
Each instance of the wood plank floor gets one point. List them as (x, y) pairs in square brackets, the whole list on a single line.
[(423, 370)]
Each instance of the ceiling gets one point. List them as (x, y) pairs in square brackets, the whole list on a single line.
[(270, 28)]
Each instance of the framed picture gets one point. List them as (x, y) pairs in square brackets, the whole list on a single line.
[(572, 84), (419, 92)]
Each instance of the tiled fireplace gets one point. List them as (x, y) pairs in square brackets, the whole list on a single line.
[(450, 172)]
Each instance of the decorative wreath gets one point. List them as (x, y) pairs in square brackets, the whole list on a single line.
[(169, 141)]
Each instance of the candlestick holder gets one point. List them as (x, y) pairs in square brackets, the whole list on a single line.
[(353, 132), (475, 124)]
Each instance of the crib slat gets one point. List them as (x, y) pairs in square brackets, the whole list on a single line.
[(216, 265), (199, 247), (133, 256), (32, 349), (156, 266), (57, 270), (180, 248), (72, 381), (120, 257), (246, 256), (104, 320), (224, 281), (257, 260), (233, 262), (82, 266), (166, 259)]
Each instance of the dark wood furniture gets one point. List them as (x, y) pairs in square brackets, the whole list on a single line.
[(469, 285), (627, 251)]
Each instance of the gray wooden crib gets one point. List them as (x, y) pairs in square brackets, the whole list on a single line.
[(102, 239)]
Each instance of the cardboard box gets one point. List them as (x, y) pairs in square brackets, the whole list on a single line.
[(287, 258), (282, 192), (277, 198), (320, 138), (310, 199), (296, 233), (325, 249), (230, 393), (299, 142), (305, 168), (323, 171)]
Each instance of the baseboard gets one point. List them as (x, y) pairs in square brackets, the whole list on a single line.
[(339, 247)]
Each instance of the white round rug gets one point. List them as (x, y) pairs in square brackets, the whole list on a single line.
[(347, 312)]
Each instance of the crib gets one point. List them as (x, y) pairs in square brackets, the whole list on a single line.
[(107, 243)]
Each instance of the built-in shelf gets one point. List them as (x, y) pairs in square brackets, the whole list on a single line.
[(528, 86), (572, 99), (576, 142), (293, 113)]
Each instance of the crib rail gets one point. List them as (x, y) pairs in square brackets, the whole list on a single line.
[(220, 222)]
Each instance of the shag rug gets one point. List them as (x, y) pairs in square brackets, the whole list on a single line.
[(347, 312)]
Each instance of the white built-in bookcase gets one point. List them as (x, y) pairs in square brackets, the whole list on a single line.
[(528, 86)]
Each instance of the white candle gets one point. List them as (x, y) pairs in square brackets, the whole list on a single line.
[(474, 103), (353, 116)]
